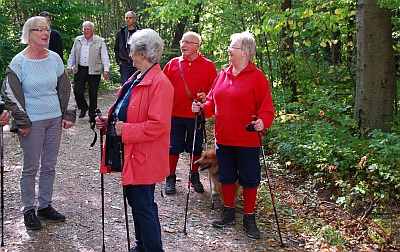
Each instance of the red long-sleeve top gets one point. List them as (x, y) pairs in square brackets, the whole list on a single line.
[(199, 74), (234, 101)]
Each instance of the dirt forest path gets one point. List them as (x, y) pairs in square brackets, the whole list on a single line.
[(77, 194)]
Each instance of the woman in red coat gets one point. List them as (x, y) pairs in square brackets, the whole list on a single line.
[(239, 93), (140, 122)]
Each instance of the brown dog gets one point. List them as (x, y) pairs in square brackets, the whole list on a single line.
[(208, 161)]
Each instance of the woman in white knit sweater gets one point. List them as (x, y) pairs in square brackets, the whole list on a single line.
[(38, 94)]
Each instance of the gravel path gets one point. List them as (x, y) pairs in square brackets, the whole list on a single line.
[(77, 195)]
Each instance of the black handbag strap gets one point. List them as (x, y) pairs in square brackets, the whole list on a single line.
[(184, 82), (200, 116)]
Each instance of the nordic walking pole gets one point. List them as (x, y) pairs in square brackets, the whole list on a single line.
[(126, 219), (2, 175), (206, 144), (209, 176), (102, 204), (125, 207), (190, 170), (102, 181), (2, 186), (121, 154), (260, 135)]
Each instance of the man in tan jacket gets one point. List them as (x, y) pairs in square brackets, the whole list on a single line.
[(88, 60)]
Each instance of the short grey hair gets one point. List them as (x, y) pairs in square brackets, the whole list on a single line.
[(134, 14), (193, 34), (91, 24), (148, 43), (248, 43), (29, 24)]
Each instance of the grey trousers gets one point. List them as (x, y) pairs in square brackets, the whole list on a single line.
[(40, 149)]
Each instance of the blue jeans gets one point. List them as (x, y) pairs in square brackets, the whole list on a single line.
[(126, 72), (145, 217)]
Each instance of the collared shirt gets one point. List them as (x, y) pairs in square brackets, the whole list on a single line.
[(84, 57), (199, 74), (86, 44)]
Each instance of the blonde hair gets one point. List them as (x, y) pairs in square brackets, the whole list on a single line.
[(29, 24)]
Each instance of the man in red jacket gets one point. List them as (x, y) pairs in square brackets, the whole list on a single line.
[(192, 76)]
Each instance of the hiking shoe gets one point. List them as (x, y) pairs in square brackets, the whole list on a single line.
[(137, 249), (170, 182), (49, 213), (31, 221), (249, 225), (195, 182), (227, 218), (83, 113)]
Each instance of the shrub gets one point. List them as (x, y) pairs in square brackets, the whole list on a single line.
[(319, 135)]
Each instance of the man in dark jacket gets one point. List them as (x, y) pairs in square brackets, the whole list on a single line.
[(55, 42), (121, 47)]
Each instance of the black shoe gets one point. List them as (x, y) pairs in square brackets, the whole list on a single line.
[(49, 213), (31, 221), (195, 182), (137, 249), (170, 184), (83, 113), (227, 218), (249, 225)]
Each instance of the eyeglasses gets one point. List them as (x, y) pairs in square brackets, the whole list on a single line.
[(40, 29), (87, 29), (188, 42), (232, 47)]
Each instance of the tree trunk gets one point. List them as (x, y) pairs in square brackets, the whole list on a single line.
[(287, 70), (375, 85), (336, 54)]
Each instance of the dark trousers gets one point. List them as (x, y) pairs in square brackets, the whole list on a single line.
[(145, 217), (126, 72), (80, 79), (182, 135)]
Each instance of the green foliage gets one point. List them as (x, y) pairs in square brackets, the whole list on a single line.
[(390, 4), (315, 133), (318, 134), (67, 18)]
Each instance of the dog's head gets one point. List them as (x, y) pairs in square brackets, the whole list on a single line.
[(207, 160)]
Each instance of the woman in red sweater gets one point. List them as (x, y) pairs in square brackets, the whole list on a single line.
[(239, 93)]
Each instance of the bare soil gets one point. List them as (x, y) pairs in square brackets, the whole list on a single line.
[(77, 194)]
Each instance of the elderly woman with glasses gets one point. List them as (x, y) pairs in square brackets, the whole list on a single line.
[(138, 125), (240, 96), (39, 95)]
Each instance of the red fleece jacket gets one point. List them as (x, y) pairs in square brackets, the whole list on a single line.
[(199, 74), (234, 101)]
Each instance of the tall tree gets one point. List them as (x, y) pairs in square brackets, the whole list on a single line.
[(288, 67), (375, 85)]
